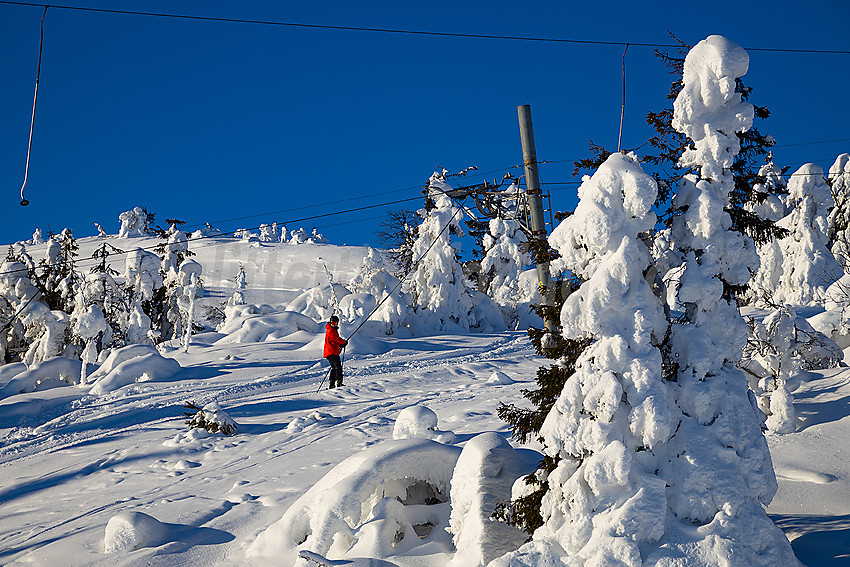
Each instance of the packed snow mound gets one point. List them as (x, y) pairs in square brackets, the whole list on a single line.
[(9, 371), (373, 504), (51, 373), (420, 422), (131, 530), (248, 324), (498, 377), (318, 302), (134, 363), (482, 479)]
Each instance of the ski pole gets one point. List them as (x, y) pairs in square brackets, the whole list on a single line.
[(323, 380)]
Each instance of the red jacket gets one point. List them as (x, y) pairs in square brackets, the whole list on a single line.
[(333, 342)]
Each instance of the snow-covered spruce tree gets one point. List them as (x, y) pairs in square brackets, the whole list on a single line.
[(663, 461), (175, 269), (191, 291), (718, 467), (240, 285), (771, 194), (89, 326), (668, 144), (135, 223), (268, 233), (26, 319), (439, 293), (175, 248), (507, 254), (808, 267), (608, 427), (146, 294), (56, 276), (839, 217)]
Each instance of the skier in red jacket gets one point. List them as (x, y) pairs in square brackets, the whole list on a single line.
[(333, 344)]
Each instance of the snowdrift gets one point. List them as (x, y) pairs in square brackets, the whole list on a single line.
[(135, 363)]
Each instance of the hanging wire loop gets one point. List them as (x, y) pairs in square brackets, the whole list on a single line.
[(24, 201)]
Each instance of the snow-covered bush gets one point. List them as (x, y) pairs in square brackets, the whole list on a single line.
[(268, 233), (142, 282), (771, 363), (780, 349), (252, 324), (316, 238), (210, 417), (299, 236), (771, 205), (381, 502), (17, 294), (136, 222), (372, 285), (318, 302), (134, 363), (207, 231), (51, 373), (835, 321), (44, 332), (36, 237), (420, 422), (240, 285), (173, 251), (90, 326)]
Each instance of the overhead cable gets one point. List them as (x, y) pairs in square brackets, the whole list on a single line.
[(403, 31)]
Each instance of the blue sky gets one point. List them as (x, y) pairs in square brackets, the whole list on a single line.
[(240, 124)]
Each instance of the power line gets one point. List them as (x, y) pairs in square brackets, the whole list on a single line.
[(401, 30), (811, 143)]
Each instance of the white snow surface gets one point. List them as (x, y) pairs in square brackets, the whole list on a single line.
[(119, 479)]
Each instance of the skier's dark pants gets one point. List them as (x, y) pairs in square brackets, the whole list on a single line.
[(336, 370)]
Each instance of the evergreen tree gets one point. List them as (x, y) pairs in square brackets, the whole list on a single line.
[(839, 217), (661, 455), (440, 297), (397, 233), (808, 267), (669, 145)]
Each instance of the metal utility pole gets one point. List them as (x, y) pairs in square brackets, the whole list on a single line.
[(535, 202)]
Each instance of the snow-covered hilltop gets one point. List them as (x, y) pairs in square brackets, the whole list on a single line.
[(163, 397)]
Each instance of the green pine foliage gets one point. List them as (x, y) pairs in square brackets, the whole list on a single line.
[(667, 145), (526, 421)]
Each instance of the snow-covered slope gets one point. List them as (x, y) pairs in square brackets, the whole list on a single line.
[(119, 479)]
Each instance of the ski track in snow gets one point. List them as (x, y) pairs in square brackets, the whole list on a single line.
[(70, 461), (356, 411)]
